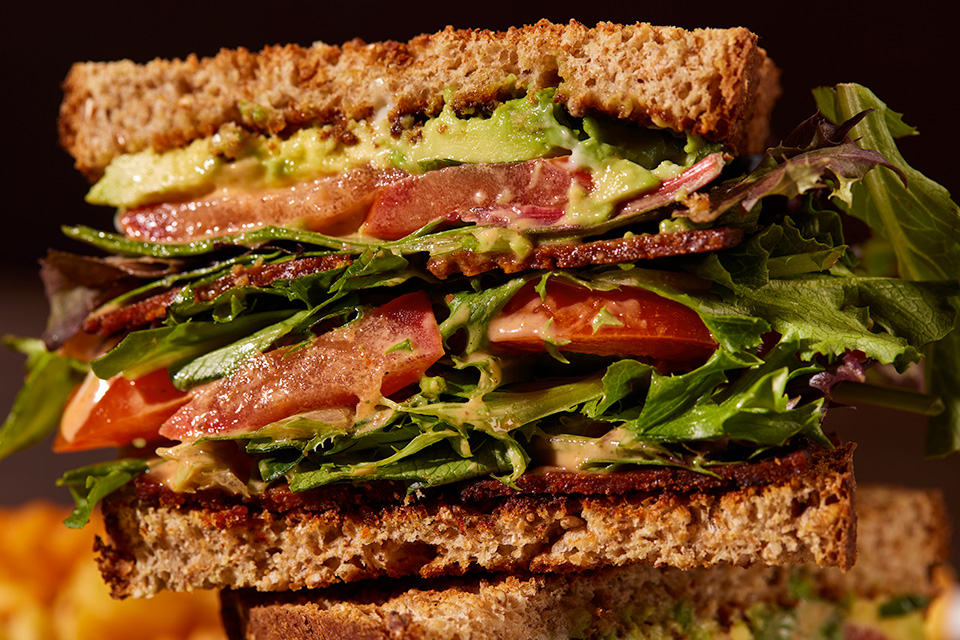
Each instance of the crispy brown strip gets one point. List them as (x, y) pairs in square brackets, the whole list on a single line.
[(571, 256), (155, 307), (543, 482)]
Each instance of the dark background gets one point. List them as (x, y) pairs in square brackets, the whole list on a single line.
[(906, 53)]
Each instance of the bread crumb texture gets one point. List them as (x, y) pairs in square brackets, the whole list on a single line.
[(805, 518), (650, 602), (714, 82)]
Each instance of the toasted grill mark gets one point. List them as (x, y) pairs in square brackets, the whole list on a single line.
[(571, 256), (146, 311)]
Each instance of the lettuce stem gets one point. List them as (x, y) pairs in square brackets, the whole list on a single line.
[(857, 393)]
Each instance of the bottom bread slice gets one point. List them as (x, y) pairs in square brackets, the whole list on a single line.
[(903, 545), (783, 510)]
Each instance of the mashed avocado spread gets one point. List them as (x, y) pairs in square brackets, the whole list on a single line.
[(627, 160)]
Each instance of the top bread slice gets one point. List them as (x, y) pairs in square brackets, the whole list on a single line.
[(714, 82)]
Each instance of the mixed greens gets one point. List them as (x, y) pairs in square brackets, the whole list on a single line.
[(793, 312)]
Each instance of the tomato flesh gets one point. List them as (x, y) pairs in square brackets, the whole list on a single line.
[(516, 194), (118, 411), (629, 321), (387, 349), (332, 205)]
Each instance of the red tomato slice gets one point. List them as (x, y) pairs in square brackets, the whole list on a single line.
[(516, 194), (329, 204), (387, 349), (118, 411), (629, 321)]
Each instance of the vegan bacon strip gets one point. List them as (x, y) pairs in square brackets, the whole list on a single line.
[(155, 307), (567, 256)]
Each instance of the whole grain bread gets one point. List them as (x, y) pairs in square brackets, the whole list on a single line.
[(598, 603), (715, 82), (807, 515), (593, 604)]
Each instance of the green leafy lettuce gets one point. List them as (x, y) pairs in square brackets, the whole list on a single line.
[(921, 223)]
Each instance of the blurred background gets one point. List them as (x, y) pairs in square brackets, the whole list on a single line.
[(905, 57)]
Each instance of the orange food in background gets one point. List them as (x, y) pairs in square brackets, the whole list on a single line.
[(50, 588)]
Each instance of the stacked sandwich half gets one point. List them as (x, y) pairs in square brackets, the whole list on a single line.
[(525, 324)]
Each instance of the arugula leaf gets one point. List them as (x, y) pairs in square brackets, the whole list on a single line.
[(427, 466), (221, 362), (902, 605), (89, 485), (472, 311), (377, 267), (51, 378), (670, 397), (623, 380), (141, 352), (499, 412)]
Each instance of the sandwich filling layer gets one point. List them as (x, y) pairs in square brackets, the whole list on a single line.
[(594, 297), (527, 165)]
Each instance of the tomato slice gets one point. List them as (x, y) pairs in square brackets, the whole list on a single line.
[(389, 348), (534, 193), (334, 205), (629, 321), (118, 411)]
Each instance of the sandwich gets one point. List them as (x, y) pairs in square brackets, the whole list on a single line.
[(521, 305)]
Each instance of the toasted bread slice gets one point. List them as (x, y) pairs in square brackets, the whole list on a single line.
[(784, 510), (714, 82), (652, 602)]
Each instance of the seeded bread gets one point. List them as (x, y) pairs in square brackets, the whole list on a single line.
[(598, 603), (715, 82), (806, 516)]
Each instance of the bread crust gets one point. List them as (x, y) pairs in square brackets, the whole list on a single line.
[(804, 515), (715, 82), (894, 524)]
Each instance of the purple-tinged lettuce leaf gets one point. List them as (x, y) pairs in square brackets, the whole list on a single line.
[(815, 155), (916, 214), (849, 368)]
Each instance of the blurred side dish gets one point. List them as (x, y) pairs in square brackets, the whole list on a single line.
[(50, 588)]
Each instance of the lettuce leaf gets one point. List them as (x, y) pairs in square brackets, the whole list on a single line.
[(50, 380), (89, 485), (922, 225)]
